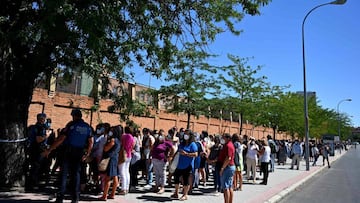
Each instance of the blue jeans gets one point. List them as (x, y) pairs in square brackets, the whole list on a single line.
[(272, 162), (149, 168), (227, 177), (72, 166), (217, 182)]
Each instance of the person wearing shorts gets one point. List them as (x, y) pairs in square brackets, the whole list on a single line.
[(227, 171)]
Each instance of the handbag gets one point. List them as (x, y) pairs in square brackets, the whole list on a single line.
[(122, 155), (174, 163), (103, 165)]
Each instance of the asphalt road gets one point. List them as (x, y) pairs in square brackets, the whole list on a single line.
[(340, 183)]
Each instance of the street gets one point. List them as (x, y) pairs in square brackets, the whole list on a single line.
[(340, 183)]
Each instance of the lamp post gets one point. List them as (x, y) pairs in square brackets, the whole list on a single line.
[(338, 113), (306, 116)]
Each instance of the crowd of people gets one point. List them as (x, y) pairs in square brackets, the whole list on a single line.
[(109, 160)]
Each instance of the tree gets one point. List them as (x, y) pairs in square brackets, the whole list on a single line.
[(240, 80), (96, 37), (191, 79)]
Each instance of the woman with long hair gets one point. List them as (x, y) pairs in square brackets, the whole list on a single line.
[(265, 153), (127, 145), (111, 149)]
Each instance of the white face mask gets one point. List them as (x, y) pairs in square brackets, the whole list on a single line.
[(186, 137), (161, 138), (110, 134), (222, 141)]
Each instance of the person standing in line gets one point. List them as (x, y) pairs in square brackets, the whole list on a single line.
[(175, 142), (135, 163), (265, 159), (147, 144), (296, 150), (216, 165), (161, 153), (251, 159), (127, 144), (274, 149), (76, 136), (238, 159), (38, 135), (100, 139), (188, 151), (111, 150), (227, 171)]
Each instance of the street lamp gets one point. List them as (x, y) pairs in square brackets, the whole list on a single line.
[(306, 116), (338, 113)]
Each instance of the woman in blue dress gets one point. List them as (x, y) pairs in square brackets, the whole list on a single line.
[(111, 150)]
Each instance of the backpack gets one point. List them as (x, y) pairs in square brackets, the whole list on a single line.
[(272, 147)]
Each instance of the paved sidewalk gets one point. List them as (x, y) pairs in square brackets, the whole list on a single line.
[(280, 183)]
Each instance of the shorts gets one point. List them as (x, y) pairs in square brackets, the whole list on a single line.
[(227, 177)]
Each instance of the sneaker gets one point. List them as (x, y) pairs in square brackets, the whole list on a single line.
[(148, 186)]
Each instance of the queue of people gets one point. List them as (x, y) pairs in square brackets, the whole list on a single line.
[(109, 160)]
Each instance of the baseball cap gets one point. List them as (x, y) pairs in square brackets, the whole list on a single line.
[(41, 115)]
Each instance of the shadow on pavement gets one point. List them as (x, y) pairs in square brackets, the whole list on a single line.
[(154, 198)]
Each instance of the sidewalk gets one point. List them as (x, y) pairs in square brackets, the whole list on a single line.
[(280, 183)]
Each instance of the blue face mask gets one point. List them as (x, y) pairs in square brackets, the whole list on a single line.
[(48, 125)]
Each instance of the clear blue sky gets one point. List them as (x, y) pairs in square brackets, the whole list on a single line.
[(332, 47)]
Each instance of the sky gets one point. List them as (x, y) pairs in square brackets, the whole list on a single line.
[(274, 40)]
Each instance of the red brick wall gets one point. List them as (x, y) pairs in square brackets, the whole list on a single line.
[(59, 107)]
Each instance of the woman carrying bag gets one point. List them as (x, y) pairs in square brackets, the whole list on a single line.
[(111, 149)]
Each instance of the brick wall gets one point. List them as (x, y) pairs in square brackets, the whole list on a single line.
[(59, 107)]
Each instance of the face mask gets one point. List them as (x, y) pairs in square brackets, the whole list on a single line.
[(98, 131), (169, 137), (156, 136), (206, 139), (252, 142), (186, 137), (110, 133), (161, 138), (222, 141)]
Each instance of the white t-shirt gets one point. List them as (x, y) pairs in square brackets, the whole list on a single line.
[(266, 156)]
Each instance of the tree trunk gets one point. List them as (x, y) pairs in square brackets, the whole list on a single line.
[(274, 132), (241, 122), (16, 92), (188, 120)]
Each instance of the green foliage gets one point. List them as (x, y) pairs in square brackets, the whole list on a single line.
[(243, 87), (191, 79)]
